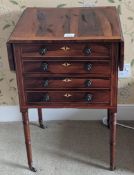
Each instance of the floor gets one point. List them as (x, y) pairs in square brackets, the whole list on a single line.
[(65, 148)]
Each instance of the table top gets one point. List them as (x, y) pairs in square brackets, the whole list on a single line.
[(89, 23)]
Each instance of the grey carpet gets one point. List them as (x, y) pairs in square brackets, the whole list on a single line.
[(65, 148)]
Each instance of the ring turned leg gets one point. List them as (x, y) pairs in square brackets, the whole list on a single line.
[(40, 118), (28, 139), (112, 140)]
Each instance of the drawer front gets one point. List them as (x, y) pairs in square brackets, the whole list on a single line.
[(67, 50), (71, 67), (66, 82), (92, 97)]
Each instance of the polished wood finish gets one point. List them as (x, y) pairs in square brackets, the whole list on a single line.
[(103, 23), (66, 83), (40, 118), (112, 139), (97, 97), (98, 24), (27, 139), (63, 67), (99, 50), (54, 71)]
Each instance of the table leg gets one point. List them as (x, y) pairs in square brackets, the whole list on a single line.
[(27, 139), (40, 118), (108, 118), (112, 139)]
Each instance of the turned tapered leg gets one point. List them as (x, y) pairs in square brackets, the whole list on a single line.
[(28, 139), (40, 118), (112, 140), (108, 118)]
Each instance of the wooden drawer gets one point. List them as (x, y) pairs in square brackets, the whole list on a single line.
[(44, 83), (75, 67), (66, 50), (94, 97)]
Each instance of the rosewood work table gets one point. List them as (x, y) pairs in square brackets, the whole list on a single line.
[(67, 58)]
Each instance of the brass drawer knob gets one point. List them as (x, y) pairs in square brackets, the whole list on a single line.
[(87, 51), (44, 66), (88, 83), (89, 97), (67, 80), (46, 98), (43, 51), (67, 95), (88, 66)]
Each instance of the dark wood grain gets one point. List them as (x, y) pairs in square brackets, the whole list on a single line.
[(40, 117), (121, 56), (112, 140), (57, 72), (52, 23), (69, 96), (66, 83), (75, 67), (98, 50), (27, 138), (10, 56), (47, 25)]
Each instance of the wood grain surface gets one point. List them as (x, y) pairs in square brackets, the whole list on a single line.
[(54, 71), (95, 23)]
